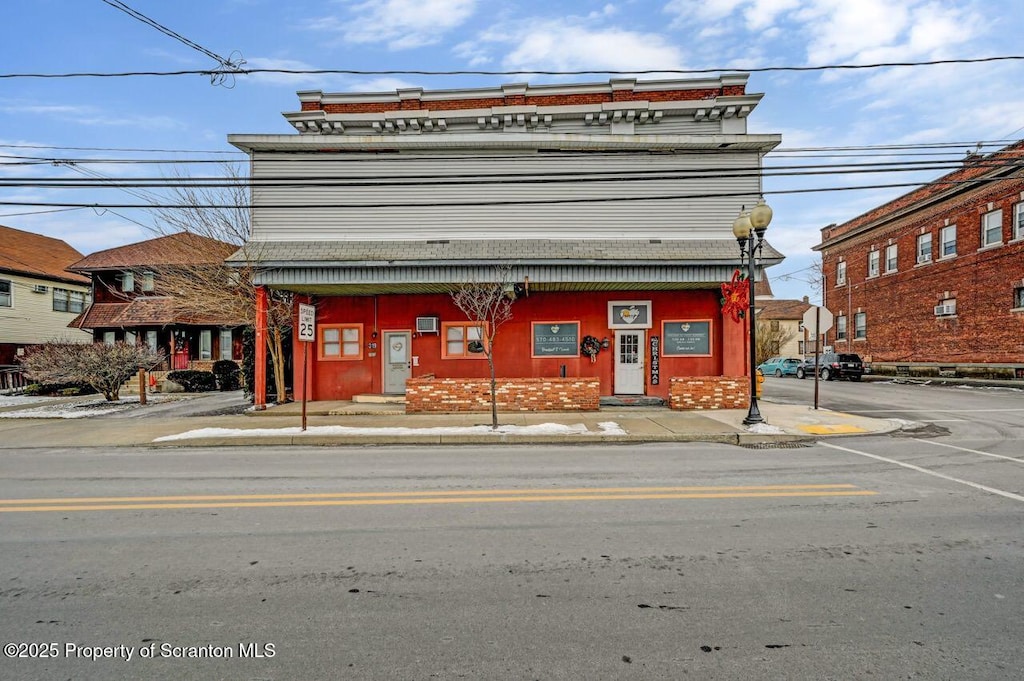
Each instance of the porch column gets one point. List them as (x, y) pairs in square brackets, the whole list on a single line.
[(260, 389)]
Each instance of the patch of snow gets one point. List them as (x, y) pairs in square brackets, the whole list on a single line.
[(78, 409), (765, 429), (607, 428), (611, 428), (17, 400)]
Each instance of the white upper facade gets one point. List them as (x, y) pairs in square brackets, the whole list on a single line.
[(624, 159)]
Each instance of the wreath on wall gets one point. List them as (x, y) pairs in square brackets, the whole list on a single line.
[(590, 347)]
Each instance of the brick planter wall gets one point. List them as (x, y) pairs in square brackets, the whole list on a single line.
[(514, 394), (709, 392)]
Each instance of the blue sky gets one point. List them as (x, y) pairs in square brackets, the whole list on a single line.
[(961, 103)]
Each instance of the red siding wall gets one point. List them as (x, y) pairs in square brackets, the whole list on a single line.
[(339, 380)]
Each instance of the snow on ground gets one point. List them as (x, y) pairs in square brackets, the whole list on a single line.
[(18, 400), (765, 429), (63, 409), (606, 428)]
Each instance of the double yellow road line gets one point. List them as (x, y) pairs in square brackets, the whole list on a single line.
[(71, 504)]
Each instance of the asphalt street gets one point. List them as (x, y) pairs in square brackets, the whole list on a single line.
[(862, 557)]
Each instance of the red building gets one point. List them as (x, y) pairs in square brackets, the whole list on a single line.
[(932, 283), (611, 206), (129, 304)]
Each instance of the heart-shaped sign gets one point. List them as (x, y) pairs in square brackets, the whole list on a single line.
[(629, 315)]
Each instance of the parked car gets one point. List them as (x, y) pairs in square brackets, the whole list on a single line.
[(833, 365), (779, 366)]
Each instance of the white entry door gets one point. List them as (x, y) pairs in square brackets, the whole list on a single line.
[(397, 361), (629, 362)]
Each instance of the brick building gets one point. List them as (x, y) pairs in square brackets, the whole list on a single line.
[(932, 283), (611, 203)]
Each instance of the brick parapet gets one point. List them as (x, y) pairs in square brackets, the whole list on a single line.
[(513, 394), (709, 392)]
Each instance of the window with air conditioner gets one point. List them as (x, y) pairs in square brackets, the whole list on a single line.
[(924, 247), (426, 325), (946, 308)]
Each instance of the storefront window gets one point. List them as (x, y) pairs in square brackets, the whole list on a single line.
[(341, 341)]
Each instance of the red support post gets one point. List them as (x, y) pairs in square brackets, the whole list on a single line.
[(260, 389)]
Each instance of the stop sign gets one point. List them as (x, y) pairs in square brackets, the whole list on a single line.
[(818, 319)]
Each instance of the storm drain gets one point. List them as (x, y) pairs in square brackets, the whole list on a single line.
[(777, 445)]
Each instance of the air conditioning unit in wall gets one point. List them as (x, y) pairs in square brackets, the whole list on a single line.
[(942, 310), (39, 288), (426, 325)]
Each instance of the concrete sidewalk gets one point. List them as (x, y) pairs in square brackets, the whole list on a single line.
[(348, 423)]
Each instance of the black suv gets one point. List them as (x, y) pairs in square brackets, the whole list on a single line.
[(834, 365)]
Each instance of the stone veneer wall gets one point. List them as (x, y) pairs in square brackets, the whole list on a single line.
[(514, 394), (709, 392)]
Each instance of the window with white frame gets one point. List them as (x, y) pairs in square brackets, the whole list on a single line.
[(1018, 220), (109, 338), (127, 281), (992, 228), (890, 258), (840, 273), (924, 247), (873, 258), (205, 344), (860, 325), (6, 295), (68, 301), (841, 327), (225, 344), (947, 241)]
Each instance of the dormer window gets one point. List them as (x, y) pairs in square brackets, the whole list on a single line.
[(127, 281), (148, 281)]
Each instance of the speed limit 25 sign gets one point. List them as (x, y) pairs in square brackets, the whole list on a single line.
[(307, 322)]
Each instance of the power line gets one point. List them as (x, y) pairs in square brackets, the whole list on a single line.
[(522, 202), (220, 76), (522, 72), (156, 151)]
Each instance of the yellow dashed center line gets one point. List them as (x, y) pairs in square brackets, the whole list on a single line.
[(426, 497)]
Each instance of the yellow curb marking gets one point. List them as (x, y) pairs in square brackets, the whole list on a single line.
[(435, 497), (831, 430)]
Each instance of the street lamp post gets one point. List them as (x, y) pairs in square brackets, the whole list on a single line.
[(749, 229)]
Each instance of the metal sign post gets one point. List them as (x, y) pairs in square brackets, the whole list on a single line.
[(820, 319), (307, 334)]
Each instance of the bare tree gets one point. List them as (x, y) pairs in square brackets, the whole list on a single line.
[(105, 367), (204, 290), (770, 340), (488, 305)]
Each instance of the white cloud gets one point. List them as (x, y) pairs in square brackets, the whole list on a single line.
[(402, 24), (571, 43), (289, 79)]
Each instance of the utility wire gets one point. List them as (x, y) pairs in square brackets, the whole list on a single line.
[(522, 202), (522, 72), (221, 76)]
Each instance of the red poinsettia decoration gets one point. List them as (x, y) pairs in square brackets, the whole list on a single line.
[(736, 296)]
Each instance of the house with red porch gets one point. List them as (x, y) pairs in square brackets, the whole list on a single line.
[(129, 303), (608, 208)]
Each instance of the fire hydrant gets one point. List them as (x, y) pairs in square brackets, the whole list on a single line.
[(760, 382)]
